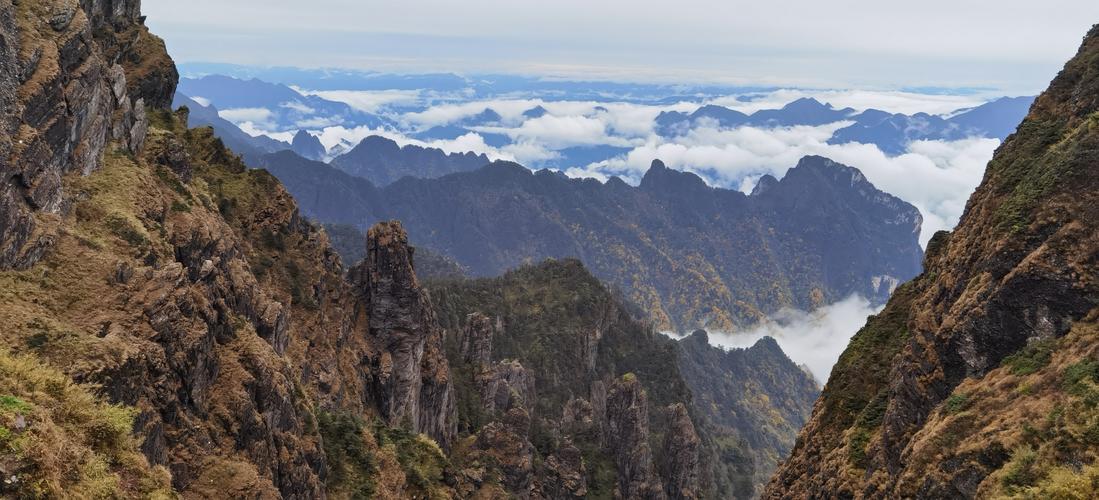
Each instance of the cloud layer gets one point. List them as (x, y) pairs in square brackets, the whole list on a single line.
[(815, 339), (935, 176)]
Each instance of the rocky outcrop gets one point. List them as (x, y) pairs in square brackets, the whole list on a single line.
[(507, 441), (507, 385), (67, 88), (476, 341), (563, 474), (308, 146), (1000, 323), (410, 375), (576, 341), (679, 462), (628, 439)]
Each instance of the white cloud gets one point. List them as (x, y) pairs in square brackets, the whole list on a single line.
[(331, 137), (510, 110), (255, 131), (298, 106), (254, 115), (367, 101), (204, 102), (815, 339), (558, 132), (860, 100), (317, 122)]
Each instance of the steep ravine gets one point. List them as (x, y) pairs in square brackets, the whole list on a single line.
[(979, 378)]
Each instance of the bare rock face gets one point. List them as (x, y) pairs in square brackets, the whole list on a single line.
[(507, 385), (411, 383), (628, 439), (507, 441), (564, 474), (64, 93), (476, 341), (680, 457)]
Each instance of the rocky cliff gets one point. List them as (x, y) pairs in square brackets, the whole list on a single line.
[(609, 405), (711, 257), (73, 77), (979, 377), (145, 260)]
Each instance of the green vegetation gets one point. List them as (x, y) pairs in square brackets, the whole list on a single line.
[(126, 230), (956, 403), (352, 466), (856, 447), (1031, 358), (1022, 469), (421, 459), (58, 439), (1080, 379)]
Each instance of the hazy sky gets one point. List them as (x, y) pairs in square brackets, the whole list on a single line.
[(1006, 44)]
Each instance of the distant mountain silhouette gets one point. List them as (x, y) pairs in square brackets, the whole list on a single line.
[(689, 253), (308, 146), (383, 162), (891, 132), (289, 110), (804, 111)]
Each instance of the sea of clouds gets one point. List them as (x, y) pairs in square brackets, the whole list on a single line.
[(935, 176)]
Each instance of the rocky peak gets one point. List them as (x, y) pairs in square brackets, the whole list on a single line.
[(308, 146), (383, 161), (412, 383), (679, 464), (661, 179), (764, 184), (628, 438), (806, 104), (476, 341)]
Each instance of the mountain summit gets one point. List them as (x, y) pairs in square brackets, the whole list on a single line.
[(382, 161)]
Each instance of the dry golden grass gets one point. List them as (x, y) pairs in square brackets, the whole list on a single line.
[(58, 439)]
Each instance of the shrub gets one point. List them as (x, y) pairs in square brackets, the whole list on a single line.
[(1022, 469), (856, 450), (351, 464), (956, 403), (1031, 358)]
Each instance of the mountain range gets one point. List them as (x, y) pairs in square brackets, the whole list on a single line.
[(689, 254), (554, 337), (891, 132), (176, 325), (285, 110)]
